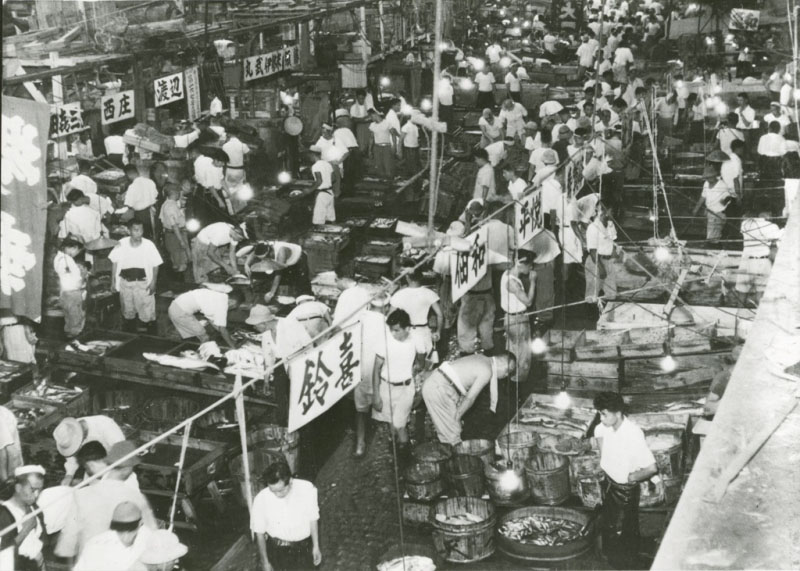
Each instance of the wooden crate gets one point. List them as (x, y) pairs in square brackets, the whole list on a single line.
[(158, 470), (646, 375), (599, 345), (76, 404), (28, 427), (12, 376), (65, 356), (374, 267), (588, 377)]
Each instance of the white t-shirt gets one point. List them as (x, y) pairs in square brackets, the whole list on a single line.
[(325, 170), (288, 518), (216, 234), (236, 150), (141, 194), (758, 234), (533, 143), (484, 178), (485, 81), (517, 187), (601, 238), (493, 129), (508, 301), (416, 301), (83, 183), (513, 82), (586, 53), (399, 367), (731, 170), (445, 92), (381, 132), (536, 158), (358, 111), (623, 56), (771, 145), (105, 552), (493, 53), (716, 196), (726, 136), (9, 438), (82, 222), (623, 450), (746, 114), (780, 118), (553, 197), (345, 138), (206, 174), (410, 135), (212, 304), (496, 152), (69, 274), (126, 256), (115, 145), (350, 305)]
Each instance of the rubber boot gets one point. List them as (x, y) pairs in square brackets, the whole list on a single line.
[(129, 325), (152, 328)]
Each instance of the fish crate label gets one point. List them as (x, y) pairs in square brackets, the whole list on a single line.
[(168, 89), (192, 84), (65, 120), (528, 217), (116, 107), (267, 64), (467, 268), (323, 375)]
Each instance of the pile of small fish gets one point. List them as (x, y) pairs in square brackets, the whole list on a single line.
[(383, 223), (55, 393), (96, 347), (27, 417), (542, 531), (408, 563), (459, 519)]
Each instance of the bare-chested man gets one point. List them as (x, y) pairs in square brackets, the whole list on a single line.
[(451, 390)]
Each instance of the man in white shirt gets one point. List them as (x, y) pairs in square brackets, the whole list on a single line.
[(512, 115), (715, 197), (352, 161), (623, 60), (485, 82), (141, 197), (776, 113), (731, 171), (322, 189), (21, 548), (212, 305), (545, 250), (397, 364), (82, 181), (516, 184), (10, 446), (81, 221), (549, 108), (600, 271), (207, 248), (493, 52), (410, 144), (586, 53), (771, 147), (626, 461), (497, 151), (116, 150), (759, 235), (235, 175), (516, 299), (418, 301), (135, 261), (382, 146), (359, 114), (71, 279), (446, 100), (285, 521), (533, 138), (514, 86), (119, 548), (72, 433)]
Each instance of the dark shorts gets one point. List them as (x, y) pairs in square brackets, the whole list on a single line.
[(296, 556)]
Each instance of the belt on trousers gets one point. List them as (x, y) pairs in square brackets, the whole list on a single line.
[(328, 190), (757, 257), (135, 280), (605, 257), (400, 384), (383, 144), (472, 292), (284, 543), (233, 167), (422, 325)]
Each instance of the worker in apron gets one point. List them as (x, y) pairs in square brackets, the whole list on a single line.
[(21, 548)]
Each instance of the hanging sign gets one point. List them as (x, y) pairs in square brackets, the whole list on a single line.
[(746, 20), (65, 120), (168, 89), (467, 268), (116, 107), (528, 217), (566, 14), (192, 78), (322, 376), (264, 65)]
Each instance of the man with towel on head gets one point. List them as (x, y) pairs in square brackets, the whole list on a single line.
[(21, 548), (452, 389), (119, 548)]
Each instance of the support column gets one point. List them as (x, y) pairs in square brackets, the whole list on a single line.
[(362, 12), (304, 45), (380, 25)]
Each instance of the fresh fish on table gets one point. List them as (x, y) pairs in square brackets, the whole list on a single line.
[(179, 362)]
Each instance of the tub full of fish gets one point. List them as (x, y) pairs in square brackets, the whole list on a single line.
[(542, 533), (459, 519)]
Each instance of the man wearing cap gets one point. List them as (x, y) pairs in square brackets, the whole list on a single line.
[(285, 521), (21, 548), (545, 249), (549, 108), (208, 246), (382, 145), (94, 506), (135, 262), (715, 197), (312, 314), (72, 433), (81, 221), (121, 547), (213, 305), (162, 551)]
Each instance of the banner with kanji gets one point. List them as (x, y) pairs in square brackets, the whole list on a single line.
[(192, 84), (168, 89), (323, 375), (566, 15), (267, 64), (66, 119), (467, 268), (528, 217), (117, 107), (23, 216)]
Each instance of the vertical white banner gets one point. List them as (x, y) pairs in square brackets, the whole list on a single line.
[(467, 268), (192, 84), (528, 217)]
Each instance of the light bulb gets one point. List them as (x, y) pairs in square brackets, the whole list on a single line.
[(516, 19), (244, 193), (563, 400), (653, 216), (526, 24), (443, 46), (709, 40), (478, 65), (662, 254), (503, 12), (505, 61), (538, 346), (509, 480), (668, 364), (385, 82), (426, 104), (284, 177), (526, 41), (466, 83), (721, 109), (192, 225)]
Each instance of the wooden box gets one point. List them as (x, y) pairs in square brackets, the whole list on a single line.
[(374, 267), (12, 376), (69, 401), (70, 356), (588, 377), (29, 422), (599, 345), (695, 371), (158, 470), (559, 345)]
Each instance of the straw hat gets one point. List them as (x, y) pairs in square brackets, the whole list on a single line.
[(259, 314), (162, 546), (68, 436)]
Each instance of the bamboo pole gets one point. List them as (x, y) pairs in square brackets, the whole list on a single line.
[(237, 389), (433, 187)]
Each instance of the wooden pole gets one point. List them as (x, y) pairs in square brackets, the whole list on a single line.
[(237, 388), (433, 187)]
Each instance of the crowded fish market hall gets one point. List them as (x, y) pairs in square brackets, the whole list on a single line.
[(378, 284)]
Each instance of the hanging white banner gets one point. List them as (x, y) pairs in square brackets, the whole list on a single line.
[(192, 77), (264, 65), (528, 217), (117, 107), (168, 89), (323, 375), (467, 268)]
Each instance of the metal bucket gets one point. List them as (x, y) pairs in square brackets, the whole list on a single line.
[(423, 481), (517, 447), (483, 449), (548, 478), (277, 439), (466, 475), (506, 486), (259, 461), (468, 542)]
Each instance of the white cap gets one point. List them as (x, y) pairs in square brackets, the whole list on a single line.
[(341, 113), (216, 106), (29, 469)]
